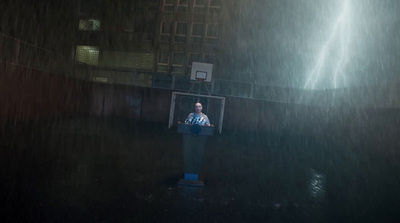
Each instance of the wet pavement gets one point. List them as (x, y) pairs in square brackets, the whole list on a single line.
[(117, 170)]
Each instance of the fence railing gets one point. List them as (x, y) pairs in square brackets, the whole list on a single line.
[(377, 96), (21, 53), (182, 83)]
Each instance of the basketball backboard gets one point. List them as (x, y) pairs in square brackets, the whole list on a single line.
[(201, 71)]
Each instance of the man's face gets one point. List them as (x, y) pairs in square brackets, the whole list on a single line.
[(198, 107)]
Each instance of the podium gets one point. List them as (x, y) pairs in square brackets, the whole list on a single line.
[(194, 142), (195, 130)]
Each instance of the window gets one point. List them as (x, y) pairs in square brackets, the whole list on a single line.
[(199, 2), (163, 61), (89, 25), (197, 32), (197, 29), (214, 6), (87, 54), (177, 59), (199, 6), (177, 62), (180, 32), (193, 57), (183, 5), (148, 37), (209, 58), (212, 31), (163, 58), (215, 3), (168, 5), (166, 30)]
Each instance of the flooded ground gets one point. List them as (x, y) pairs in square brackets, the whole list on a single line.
[(116, 170)]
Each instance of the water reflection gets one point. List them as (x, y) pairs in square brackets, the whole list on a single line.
[(316, 184)]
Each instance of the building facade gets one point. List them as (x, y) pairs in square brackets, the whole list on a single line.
[(131, 42)]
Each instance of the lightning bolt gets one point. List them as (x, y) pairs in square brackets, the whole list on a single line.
[(342, 25)]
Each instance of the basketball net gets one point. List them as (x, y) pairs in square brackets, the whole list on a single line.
[(200, 81)]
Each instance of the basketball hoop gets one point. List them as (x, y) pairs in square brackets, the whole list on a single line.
[(201, 75), (199, 79), (201, 72)]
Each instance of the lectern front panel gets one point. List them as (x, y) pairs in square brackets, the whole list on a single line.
[(195, 129)]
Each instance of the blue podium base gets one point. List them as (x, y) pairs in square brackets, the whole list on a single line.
[(190, 183), (192, 176), (191, 180)]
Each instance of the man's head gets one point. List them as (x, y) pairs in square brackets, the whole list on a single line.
[(198, 107)]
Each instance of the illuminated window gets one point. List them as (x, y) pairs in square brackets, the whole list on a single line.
[(89, 25), (166, 30), (180, 32), (87, 54)]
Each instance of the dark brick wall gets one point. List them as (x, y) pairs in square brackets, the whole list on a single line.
[(27, 94)]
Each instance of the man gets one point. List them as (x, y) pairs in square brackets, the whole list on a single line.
[(193, 147), (197, 117)]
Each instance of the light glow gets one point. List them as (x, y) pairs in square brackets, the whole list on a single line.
[(340, 35)]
